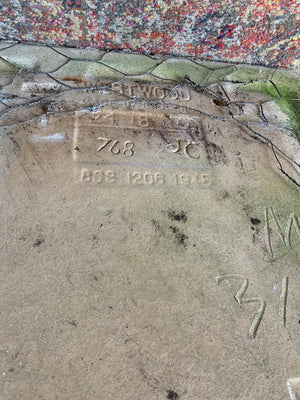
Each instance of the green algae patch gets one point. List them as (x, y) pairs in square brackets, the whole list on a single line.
[(263, 87), (248, 73), (281, 86), (292, 110), (33, 57), (130, 64), (288, 85), (177, 69)]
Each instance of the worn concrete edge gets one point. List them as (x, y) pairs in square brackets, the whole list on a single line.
[(280, 85)]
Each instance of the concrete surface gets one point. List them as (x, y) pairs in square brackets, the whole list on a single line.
[(150, 229)]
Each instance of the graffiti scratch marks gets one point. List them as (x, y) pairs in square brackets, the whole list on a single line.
[(283, 300), (284, 234), (239, 297)]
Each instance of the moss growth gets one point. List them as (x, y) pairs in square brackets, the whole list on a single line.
[(291, 109), (285, 90), (264, 87)]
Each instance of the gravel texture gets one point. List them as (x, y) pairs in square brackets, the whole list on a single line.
[(264, 32)]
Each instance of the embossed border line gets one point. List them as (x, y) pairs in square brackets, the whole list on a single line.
[(78, 125), (125, 164)]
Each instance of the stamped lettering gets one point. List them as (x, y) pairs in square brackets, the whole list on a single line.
[(191, 179), (140, 138), (98, 176), (116, 148), (145, 177), (189, 148), (152, 92), (115, 119)]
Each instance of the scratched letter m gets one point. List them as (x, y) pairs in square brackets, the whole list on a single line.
[(284, 233)]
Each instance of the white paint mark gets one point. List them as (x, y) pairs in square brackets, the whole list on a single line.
[(274, 288), (288, 385), (56, 137), (39, 87), (293, 387), (43, 121)]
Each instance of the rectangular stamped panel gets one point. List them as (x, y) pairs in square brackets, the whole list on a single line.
[(139, 138)]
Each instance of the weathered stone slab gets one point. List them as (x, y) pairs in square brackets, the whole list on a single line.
[(150, 243)]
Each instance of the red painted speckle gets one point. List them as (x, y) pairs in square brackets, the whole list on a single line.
[(220, 30)]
